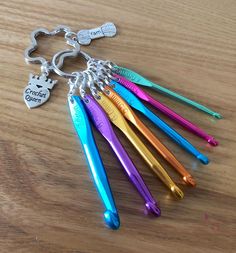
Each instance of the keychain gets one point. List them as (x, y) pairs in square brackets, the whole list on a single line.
[(104, 93)]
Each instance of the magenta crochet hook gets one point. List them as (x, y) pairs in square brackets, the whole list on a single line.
[(103, 125), (164, 109)]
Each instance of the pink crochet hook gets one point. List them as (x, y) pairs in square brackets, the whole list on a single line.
[(167, 111)]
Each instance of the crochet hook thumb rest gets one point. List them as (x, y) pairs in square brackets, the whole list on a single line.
[(95, 78), (84, 132)]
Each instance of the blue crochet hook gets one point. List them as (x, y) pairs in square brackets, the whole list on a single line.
[(84, 132), (134, 102)]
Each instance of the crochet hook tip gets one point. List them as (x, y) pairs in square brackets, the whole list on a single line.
[(177, 192), (217, 115), (112, 219), (189, 180), (213, 141), (203, 159), (153, 208)]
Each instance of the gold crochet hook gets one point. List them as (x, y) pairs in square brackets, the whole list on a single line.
[(118, 120), (130, 115)]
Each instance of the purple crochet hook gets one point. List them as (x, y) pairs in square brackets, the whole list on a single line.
[(167, 111), (103, 125)]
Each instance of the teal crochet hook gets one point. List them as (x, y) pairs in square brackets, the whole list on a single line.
[(84, 132), (133, 101), (140, 80)]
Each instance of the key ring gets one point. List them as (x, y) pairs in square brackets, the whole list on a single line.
[(91, 75), (46, 66), (58, 60)]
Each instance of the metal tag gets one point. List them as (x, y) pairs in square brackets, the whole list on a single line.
[(37, 91), (106, 30)]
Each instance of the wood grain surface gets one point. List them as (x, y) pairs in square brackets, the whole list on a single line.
[(48, 203)]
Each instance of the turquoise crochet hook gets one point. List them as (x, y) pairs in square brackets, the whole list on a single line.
[(140, 80), (84, 132)]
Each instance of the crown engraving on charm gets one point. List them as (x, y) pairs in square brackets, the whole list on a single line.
[(41, 81)]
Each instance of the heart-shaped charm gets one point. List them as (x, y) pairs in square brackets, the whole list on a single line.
[(36, 92), (34, 96)]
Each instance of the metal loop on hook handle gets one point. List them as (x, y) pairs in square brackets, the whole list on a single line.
[(91, 82), (73, 82)]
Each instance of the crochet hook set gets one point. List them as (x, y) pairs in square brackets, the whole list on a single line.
[(107, 96)]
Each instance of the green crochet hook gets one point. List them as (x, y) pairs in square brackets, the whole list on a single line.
[(140, 80)]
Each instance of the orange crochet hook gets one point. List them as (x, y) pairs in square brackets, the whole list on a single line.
[(118, 120), (161, 148)]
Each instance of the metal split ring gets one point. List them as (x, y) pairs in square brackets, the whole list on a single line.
[(96, 72)]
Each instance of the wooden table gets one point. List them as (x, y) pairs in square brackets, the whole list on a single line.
[(48, 202)]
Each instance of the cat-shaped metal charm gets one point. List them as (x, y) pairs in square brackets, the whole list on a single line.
[(37, 91)]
